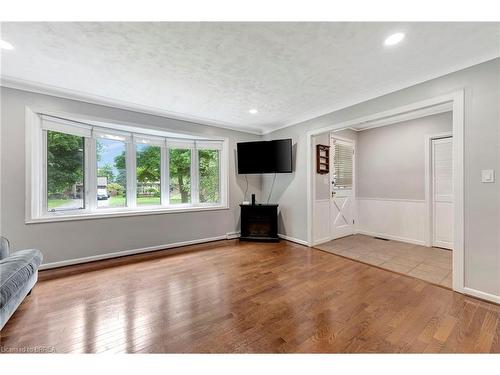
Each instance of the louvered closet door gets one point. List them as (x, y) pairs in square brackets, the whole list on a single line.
[(341, 202), (442, 192)]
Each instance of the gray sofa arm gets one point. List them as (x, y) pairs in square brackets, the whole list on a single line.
[(4, 248)]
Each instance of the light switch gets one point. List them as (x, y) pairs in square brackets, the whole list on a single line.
[(487, 175)]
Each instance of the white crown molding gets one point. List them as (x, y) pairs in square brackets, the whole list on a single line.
[(407, 116), (41, 88)]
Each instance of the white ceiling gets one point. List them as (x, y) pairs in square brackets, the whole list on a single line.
[(215, 72)]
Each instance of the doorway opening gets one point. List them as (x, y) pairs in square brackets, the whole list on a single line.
[(427, 226), (439, 190)]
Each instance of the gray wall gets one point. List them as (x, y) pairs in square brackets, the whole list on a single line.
[(481, 84), (76, 239), (390, 160)]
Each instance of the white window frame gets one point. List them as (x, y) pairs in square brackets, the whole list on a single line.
[(205, 146), (36, 167)]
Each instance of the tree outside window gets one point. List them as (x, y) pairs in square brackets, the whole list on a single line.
[(65, 171), (180, 175), (209, 176), (148, 172)]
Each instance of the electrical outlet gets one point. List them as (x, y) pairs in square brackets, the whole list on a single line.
[(487, 175)]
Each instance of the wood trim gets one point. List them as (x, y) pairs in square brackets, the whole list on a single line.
[(322, 162)]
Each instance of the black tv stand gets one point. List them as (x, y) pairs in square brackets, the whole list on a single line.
[(259, 222)]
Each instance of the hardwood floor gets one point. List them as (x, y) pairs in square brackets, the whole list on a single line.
[(247, 297)]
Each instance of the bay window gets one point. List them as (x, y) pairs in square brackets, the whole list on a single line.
[(92, 170)]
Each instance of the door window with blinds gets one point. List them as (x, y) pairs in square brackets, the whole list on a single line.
[(342, 164), (81, 169)]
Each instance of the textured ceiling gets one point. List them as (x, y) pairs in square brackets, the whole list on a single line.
[(215, 72)]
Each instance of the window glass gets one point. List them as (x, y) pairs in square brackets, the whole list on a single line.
[(65, 172), (209, 176), (148, 175), (180, 175), (111, 173), (342, 165)]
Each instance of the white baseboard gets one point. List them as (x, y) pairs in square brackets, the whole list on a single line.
[(293, 239), (321, 240), (232, 235), (117, 254), (391, 237), (482, 295)]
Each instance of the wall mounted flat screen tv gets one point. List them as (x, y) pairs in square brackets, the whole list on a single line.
[(265, 157)]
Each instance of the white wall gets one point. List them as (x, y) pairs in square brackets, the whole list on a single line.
[(391, 159), (394, 219), (390, 178), (62, 241), (481, 84)]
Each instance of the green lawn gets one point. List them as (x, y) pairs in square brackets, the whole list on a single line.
[(53, 203), (117, 201)]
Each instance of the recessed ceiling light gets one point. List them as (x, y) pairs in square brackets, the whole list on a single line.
[(253, 111), (394, 39), (5, 45)]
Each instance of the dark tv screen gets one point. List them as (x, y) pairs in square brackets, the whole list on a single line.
[(265, 157)]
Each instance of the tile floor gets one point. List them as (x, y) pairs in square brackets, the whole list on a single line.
[(427, 263)]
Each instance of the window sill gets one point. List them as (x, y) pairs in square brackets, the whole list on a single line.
[(48, 218)]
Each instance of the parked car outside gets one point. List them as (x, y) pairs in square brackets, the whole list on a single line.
[(102, 194)]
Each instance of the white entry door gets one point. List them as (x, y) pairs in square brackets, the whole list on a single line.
[(442, 192), (341, 192)]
